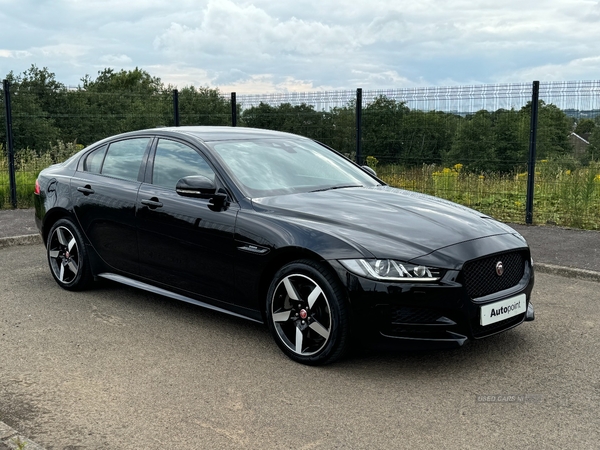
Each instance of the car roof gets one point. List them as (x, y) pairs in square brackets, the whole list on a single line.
[(215, 133)]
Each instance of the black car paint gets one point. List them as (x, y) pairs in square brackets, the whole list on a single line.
[(106, 210), (241, 245), (385, 222)]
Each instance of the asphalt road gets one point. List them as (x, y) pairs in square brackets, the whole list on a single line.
[(119, 368)]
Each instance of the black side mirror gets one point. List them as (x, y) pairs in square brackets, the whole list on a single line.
[(199, 186)]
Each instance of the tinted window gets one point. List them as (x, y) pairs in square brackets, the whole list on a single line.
[(124, 158), (93, 161), (174, 161)]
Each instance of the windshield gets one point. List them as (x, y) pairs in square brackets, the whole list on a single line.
[(263, 168)]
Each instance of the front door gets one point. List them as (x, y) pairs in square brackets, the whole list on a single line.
[(183, 243)]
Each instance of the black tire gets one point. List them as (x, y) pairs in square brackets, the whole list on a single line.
[(67, 256), (308, 314)]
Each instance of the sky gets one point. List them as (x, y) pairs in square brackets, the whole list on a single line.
[(271, 46)]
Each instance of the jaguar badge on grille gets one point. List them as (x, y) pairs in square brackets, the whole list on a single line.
[(499, 268)]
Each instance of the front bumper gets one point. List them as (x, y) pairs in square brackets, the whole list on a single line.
[(418, 315)]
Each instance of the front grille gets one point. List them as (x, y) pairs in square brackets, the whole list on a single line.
[(481, 331), (481, 279)]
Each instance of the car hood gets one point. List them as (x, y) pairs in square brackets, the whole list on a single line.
[(384, 222)]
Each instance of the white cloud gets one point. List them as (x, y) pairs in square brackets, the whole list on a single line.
[(63, 50), (17, 54), (252, 45), (180, 75), (114, 60), (266, 83), (234, 29), (386, 78), (576, 69)]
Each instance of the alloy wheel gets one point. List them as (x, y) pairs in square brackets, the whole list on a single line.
[(63, 254), (301, 314)]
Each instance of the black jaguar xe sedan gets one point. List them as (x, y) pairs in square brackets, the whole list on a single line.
[(281, 229)]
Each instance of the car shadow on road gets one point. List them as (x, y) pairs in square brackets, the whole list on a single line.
[(494, 353)]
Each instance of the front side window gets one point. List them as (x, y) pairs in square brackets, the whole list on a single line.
[(174, 160), (124, 158)]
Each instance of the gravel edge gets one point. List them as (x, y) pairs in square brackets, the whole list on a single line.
[(11, 439)]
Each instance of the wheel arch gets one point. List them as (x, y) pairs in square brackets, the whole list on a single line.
[(51, 217), (282, 257)]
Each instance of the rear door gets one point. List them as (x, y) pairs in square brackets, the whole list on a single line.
[(184, 243), (105, 192)]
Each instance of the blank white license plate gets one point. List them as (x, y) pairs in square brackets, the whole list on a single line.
[(504, 309)]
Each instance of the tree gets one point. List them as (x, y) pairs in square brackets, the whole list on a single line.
[(133, 81), (585, 126), (263, 116), (554, 128), (35, 102), (116, 102), (594, 150), (339, 129), (382, 132), (299, 119), (473, 144), (203, 106), (426, 136), (511, 139)]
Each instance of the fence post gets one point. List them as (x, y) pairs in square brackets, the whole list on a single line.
[(233, 110), (358, 125), (532, 147), (10, 146), (176, 106)]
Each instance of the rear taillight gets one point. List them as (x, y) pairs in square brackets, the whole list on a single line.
[(37, 188)]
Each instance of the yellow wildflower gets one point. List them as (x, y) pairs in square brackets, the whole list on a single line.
[(372, 161)]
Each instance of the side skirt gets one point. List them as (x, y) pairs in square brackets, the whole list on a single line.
[(156, 290)]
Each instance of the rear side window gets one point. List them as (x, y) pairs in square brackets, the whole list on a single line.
[(93, 161), (124, 158)]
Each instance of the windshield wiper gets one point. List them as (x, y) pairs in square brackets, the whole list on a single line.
[(339, 186)]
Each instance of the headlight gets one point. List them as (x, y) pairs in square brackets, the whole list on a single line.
[(391, 270)]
